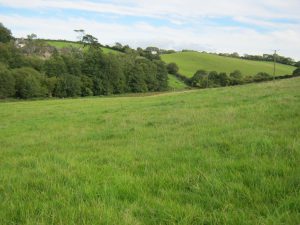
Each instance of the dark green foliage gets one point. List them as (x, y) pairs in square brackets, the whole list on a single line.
[(7, 83), (218, 79), (90, 40), (87, 86), (5, 34), (172, 68), (68, 86), (11, 56), (72, 64), (136, 79), (28, 83), (199, 79), (297, 64), (49, 83), (55, 66), (161, 75), (223, 79), (262, 77), (236, 78), (34, 62), (296, 71)]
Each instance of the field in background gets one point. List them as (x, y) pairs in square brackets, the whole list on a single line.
[(64, 44), (190, 62), (215, 156)]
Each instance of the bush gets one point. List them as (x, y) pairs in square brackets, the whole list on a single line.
[(262, 77), (28, 83), (236, 78), (172, 68), (199, 79)]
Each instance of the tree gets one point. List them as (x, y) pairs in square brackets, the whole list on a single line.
[(90, 40), (49, 83), (297, 64), (136, 79), (161, 75), (68, 86), (11, 56), (172, 68), (7, 83), (5, 34), (55, 66), (236, 77), (223, 79), (198, 79), (28, 83)]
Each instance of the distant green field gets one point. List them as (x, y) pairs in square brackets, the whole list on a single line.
[(214, 156), (176, 84), (63, 44), (190, 62)]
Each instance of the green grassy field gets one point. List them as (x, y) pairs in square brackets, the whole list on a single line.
[(215, 156), (63, 44), (190, 62), (176, 84)]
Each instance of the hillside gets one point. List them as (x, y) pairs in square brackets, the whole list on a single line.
[(190, 62), (63, 44), (175, 84), (214, 156)]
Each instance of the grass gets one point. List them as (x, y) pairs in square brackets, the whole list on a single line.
[(176, 84), (190, 62), (215, 156), (64, 44)]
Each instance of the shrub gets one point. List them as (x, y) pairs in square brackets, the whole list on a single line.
[(172, 68), (236, 78), (28, 83), (262, 77)]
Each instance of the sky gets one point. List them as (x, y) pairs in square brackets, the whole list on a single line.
[(243, 26)]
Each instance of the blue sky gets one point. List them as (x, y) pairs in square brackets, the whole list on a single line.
[(244, 26)]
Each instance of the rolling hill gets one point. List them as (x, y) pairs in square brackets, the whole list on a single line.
[(63, 44), (190, 62), (213, 156)]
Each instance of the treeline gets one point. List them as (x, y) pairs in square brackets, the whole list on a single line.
[(264, 57), (205, 79), (72, 72)]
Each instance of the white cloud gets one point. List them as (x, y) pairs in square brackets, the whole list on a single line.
[(202, 36), (209, 38)]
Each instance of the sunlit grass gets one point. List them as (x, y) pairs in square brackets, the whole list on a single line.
[(190, 62), (215, 156)]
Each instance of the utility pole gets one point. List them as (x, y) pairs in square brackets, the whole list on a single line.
[(274, 57), (207, 80)]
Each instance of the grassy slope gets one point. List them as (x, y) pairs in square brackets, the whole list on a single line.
[(63, 44), (176, 84), (190, 62), (215, 156)]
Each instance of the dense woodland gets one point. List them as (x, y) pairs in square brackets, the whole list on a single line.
[(75, 72)]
